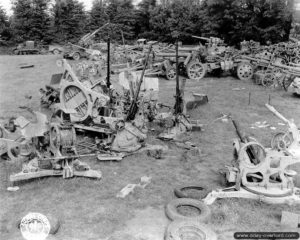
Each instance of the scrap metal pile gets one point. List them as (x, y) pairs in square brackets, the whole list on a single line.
[(270, 66), (91, 117)]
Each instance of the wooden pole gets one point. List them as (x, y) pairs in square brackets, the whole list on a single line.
[(108, 83), (249, 101)]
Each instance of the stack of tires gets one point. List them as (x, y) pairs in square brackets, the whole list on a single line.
[(191, 225)]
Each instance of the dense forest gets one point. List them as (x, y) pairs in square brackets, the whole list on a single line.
[(66, 20)]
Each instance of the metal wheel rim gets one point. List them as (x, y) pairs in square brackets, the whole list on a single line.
[(245, 71), (56, 51), (76, 56), (268, 80), (171, 74), (196, 71)]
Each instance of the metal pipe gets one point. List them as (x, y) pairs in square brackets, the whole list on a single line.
[(108, 63)]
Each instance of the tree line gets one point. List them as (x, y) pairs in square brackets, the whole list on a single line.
[(65, 21)]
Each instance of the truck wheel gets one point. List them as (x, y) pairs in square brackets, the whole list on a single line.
[(245, 71), (201, 212), (56, 51), (183, 229), (76, 56)]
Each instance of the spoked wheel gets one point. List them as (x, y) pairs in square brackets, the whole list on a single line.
[(268, 79), (278, 76), (171, 73), (196, 70), (245, 71), (281, 141)]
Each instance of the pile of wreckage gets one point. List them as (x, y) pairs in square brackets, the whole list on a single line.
[(270, 66), (91, 117)]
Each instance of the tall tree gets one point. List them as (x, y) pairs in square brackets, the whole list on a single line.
[(119, 13), (30, 19), (144, 15), (69, 20), (237, 20), (98, 16), (5, 30)]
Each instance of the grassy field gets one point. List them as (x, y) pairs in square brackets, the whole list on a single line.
[(89, 209)]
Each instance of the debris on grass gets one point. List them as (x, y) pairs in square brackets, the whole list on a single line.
[(27, 66), (129, 188), (238, 89), (13, 189)]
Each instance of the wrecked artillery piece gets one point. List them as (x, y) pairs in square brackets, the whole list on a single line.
[(46, 149), (270, 65), (162, 62), (258, 173), (84, 47), (90, 104), (289, 140)]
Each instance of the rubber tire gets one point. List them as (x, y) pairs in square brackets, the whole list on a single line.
[(54, 223), (173, 214), (76, 56), (179, 191), (174, 230), (56, 51)]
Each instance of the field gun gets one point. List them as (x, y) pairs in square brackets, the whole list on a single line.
[(86, 39), (288, 141), (134, 104), (258, 173)]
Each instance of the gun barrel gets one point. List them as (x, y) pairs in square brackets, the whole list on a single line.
[(238, 130), (90, 35), (203, 38), (273, 110)]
